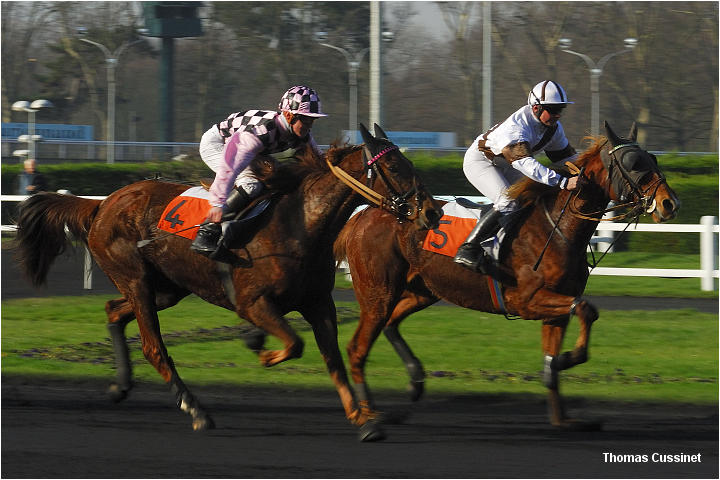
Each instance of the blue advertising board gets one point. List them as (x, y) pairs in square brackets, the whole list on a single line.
[(49, 131), (412, 139)]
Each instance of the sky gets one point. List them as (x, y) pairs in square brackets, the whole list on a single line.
[(428, 17)]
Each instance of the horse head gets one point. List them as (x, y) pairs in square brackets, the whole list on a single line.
[(634, 177), (402, 189)]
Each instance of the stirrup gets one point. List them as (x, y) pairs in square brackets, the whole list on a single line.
[(472, 257), (208, 237)]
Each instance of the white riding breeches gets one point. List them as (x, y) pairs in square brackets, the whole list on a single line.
[(492, 181), (212, 146)]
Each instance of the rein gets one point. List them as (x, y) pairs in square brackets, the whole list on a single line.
[(637, 207), (396, 205)]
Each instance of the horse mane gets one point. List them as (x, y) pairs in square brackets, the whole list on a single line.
[(287, 175), (527, 190)]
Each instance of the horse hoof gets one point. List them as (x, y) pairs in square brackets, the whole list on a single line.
[(117, 393), (371, 432), (203, 423), (416, 389), (573, 425)]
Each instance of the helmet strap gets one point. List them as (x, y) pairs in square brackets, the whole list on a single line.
[(290, 117), (540, 110)]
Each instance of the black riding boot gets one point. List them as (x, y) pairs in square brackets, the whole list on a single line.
[(470, 254), (208, 237)]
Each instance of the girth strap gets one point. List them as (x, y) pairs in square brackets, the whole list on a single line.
[(227, 281)]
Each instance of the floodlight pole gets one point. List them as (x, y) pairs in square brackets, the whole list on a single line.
[(596, 70), (353, 63), (111, 60)]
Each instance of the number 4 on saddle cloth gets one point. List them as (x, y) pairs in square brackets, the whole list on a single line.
[(459, 218), (184, 214)]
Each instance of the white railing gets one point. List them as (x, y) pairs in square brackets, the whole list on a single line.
[(708, 230)]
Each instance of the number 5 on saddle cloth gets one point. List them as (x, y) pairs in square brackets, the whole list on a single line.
[(459, 218)]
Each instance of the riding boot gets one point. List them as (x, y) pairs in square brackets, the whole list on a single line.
[(470, 254), (208, 237), (236, 201)]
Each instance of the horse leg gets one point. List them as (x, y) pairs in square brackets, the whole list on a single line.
[(254, 338), (409, 304), (120, 313), (553, 333), (266, 316), (369, 327), (143, 300), (323, 318), (552, 338)]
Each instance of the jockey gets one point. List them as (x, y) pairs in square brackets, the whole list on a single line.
[(229, 146), (504, 155)]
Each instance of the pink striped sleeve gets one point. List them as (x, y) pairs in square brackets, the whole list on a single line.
[(239, 151)]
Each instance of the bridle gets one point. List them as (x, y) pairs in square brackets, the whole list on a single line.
[(625, 182), (397, 203)]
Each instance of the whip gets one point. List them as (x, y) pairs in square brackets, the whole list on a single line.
[(562, 212), (143, 243)]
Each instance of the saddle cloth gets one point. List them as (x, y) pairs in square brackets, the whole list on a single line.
[(459, 218), (184, 212)]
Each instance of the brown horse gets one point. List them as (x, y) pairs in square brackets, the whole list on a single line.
[(393, 276), (286, 265)]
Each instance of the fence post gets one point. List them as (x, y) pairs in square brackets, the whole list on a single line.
[(708, 252), (87, 270), (605, 246)]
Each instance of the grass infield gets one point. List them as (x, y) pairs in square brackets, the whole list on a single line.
[(665, 356)]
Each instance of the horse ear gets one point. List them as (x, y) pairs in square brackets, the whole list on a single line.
[(366, 136), (379, 133), (632, 136), (614, 139)]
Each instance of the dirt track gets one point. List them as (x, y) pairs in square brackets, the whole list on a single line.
[(71, 430)]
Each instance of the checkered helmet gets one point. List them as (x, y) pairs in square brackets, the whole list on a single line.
[(548, 93), (302, 101)]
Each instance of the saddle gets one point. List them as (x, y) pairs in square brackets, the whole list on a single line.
[(186, 212), (459, 218), (235, 232)]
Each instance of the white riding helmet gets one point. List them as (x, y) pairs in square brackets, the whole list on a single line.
[(548, 93)]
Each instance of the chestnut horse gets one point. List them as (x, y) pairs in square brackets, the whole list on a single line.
[(286, 265), (393, 276)]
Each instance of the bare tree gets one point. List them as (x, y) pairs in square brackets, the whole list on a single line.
[(22, 25), (458, 18)]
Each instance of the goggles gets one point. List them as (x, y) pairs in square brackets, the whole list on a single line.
[(554, 109)]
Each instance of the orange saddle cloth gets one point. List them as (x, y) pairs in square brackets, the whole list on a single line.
[(184, 214), (455, 225)]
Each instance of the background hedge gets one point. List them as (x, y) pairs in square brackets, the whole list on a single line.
[(694, 179)]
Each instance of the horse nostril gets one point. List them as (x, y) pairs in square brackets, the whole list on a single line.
[(670, 206)]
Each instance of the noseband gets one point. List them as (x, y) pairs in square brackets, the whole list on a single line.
[(398, 203)]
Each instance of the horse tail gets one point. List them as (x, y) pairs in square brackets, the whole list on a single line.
[(41, 230)]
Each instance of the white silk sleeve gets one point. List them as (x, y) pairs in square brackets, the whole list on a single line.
[(530, 167)]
